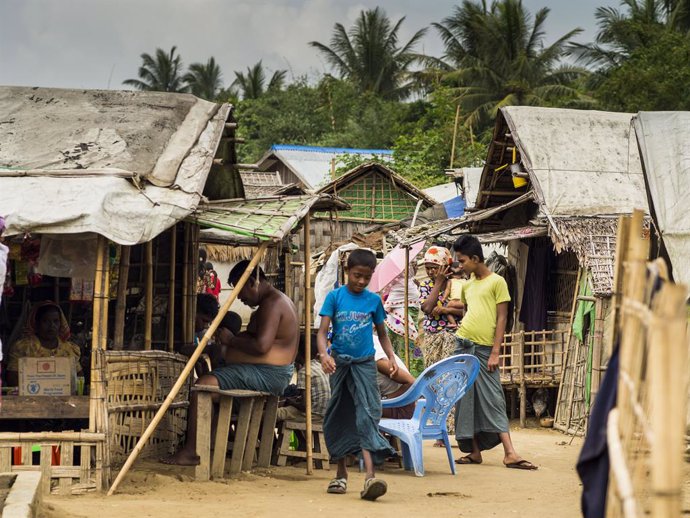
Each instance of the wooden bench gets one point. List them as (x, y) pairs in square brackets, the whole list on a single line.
[(254, 408), (320, 453)]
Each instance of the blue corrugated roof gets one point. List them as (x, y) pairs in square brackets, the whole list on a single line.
[(340, 150)]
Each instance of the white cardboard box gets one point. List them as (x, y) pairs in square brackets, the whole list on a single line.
[(51, 376)]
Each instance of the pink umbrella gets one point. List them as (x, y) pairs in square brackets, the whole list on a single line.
[(392, 266)]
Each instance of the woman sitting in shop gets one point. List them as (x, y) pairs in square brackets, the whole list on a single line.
[(47, 334)]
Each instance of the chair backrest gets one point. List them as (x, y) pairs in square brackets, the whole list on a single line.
[(442, 385)]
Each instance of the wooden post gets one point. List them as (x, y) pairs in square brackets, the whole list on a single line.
[(94, 392), (668, 398), (171, 295), (523, 388), (188, 369), (307, 342), (407, 307), (455, 133), (597, 349), (121, 304), (149, 296), (185, 282)]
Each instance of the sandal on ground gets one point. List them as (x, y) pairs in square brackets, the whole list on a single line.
[(467, 460), (373, 488), (522, 464), (337, 486), (439, 444)]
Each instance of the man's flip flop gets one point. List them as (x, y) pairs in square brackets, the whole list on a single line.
[(467, 460), (522, 464), (373, 488), (337, 486)]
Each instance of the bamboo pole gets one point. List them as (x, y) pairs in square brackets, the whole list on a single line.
[(52, 436), (121, 304), (194, 261), (171, 296), (667, 399), (407, 307), (187, 369), (566, 354), (149, 296), (455, 134), (94, 391), (307, 342), (185, 281)]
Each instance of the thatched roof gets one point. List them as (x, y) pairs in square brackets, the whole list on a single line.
[(249, 222), (126, 165), (377, 194), (258, 184)]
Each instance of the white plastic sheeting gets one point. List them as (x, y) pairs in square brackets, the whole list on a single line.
[(581, 162), (664, 140), (126, 165)]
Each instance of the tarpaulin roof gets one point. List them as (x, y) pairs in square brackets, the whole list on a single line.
[(126, 165), (580, 162), (312, 164), (252, 221), (664, 140)]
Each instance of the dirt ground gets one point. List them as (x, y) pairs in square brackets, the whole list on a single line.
[(158, 491)]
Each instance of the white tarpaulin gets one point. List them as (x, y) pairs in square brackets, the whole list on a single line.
[(126, 165), (581, 162), (664, 140)]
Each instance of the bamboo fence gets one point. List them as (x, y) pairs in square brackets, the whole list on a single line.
[(646, 430)]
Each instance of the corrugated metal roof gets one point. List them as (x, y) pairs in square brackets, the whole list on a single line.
[(312, 165)]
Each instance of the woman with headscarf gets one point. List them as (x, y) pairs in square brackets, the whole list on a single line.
[(438, 341), (47, 334)]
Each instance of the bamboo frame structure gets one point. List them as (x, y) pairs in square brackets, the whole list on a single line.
[(307, 342), (645, 432), (188, 368), (148, 319), (121, 304), (171, 294)]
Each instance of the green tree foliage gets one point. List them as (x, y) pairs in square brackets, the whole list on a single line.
[(162, 73), (654, 77), (205, 80), (369, 55), (253, 85), (495, 56)]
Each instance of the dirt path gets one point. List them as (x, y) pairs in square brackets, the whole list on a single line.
[(157, 491)]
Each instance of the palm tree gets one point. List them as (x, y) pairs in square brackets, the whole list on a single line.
[(623, 32), (369, 55), (205, 80), (161, 74), (495, 57), (253, 84)]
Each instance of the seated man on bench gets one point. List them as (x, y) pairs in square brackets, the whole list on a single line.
[(260, 358)]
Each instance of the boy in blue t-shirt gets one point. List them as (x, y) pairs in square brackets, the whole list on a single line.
[(351, 421)]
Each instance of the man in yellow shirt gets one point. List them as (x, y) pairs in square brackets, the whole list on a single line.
[(482, 421)]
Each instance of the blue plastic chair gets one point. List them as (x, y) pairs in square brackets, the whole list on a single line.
[(436, 391)]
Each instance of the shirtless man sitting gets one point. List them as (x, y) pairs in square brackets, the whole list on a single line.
[(259, 358)]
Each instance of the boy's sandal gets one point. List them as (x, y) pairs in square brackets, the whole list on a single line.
[(373, 488), (337, 486)]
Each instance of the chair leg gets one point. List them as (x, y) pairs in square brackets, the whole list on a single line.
[(449, 451), (416, 454)]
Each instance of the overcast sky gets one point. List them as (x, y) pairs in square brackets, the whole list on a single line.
[(97, 43)]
